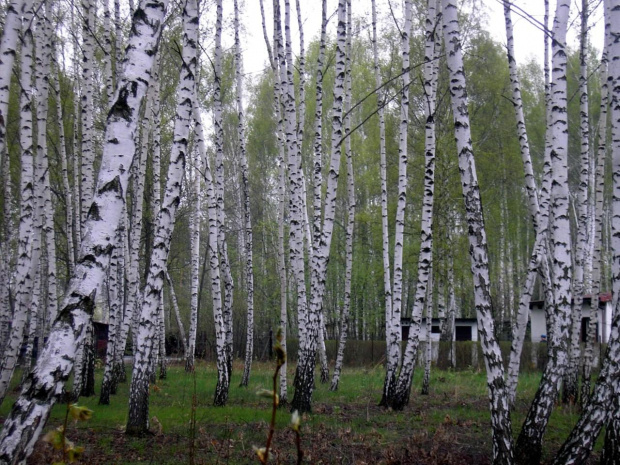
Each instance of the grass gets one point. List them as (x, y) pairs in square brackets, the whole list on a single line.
[(450, 425)]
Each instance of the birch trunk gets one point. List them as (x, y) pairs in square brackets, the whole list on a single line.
[(177, 313), (28, 247), (88, 149), (390, 377), (570, 383), (68, 193), (138, 419), (194, 231), (403, 388), (500, 410), (588, 356), (346, 304), (31, 410), (428, 356), (529, 444), (15, 9), (393, 327), (288, 125), (249, 267), (115, 315), (224, 354), (304, 377)]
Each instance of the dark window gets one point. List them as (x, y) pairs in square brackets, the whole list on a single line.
[(435, 329), (585, 323), (463, 333)]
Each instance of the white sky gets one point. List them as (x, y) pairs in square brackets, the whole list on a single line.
[(528, 38)]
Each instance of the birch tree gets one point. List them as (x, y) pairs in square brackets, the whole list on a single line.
[(346, 304), (400, 397), (571, 376), (28, 252), (148, 326), (498, 399), (392, 319), (304, 376), (30, 412), (529, 444), (248, 235)]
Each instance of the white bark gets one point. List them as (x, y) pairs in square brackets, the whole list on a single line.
[(393, 332), (500, 410), (68, 192), (588, 356), (224, 352), (304, 377), (194, 231), (249, 266), (346, 304), (529, 444), (15, 9), (177, 313), (88, 146), (148, 325), (29, 414), (28, 248), (403, 388)]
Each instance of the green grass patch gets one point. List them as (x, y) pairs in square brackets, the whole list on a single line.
[(450, 425)]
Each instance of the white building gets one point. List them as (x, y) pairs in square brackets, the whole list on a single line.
[(465, 329), (538, 324)]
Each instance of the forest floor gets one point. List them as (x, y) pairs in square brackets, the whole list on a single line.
[(451, 425)]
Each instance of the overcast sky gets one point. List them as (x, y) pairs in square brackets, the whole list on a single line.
[(528, 37)]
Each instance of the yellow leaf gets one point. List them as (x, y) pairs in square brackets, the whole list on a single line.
[(80, 413)]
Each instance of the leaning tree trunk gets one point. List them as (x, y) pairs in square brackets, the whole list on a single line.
[(529, 443), (402, 391), (148, 325), (500, 410), (392, 321), (31, 411)]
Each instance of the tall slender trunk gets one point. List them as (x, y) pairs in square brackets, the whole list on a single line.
[(428, 356), (249, 243), (588, 356), (115, 315), (194, 231), (68, 193), (500, 410), (88, 110), (177, 313), (138, 418), (32, 408), (346, 304), (287, 124), (304, 377), (570, 382), (393, 325), (28, 248), (225, 354), (403, 388), (529, 443), (15, 9)]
